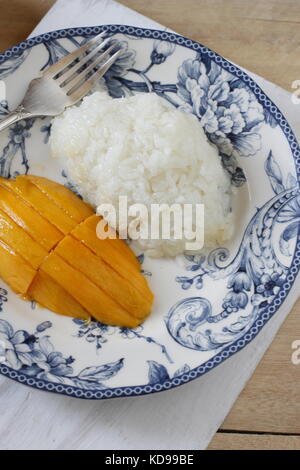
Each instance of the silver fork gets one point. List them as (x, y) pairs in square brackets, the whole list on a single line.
[(66, 82)]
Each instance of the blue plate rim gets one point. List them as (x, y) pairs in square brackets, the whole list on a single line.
[(266, 314)]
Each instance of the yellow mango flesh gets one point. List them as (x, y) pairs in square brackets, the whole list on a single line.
[(51, 295), (50, 253), (106, 250), (87, 294), (63, 197), (117, 243), (41, 203), (14, 270), (103, 276), (20, 241), (27, 218)]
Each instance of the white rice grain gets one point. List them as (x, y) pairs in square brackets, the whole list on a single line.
[(143, 148)]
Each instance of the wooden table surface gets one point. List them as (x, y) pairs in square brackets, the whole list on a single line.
[(264, 37)]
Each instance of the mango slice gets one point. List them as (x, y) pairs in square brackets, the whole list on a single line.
[(51, 295), (117, 244), (63, 197), (93, 299), (14, 270), (101, 274), (106, 250), (27, 218), (20, 241), (50, 253), (41, 203)]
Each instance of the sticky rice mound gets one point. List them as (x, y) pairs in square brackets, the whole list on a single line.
[(144, 148)]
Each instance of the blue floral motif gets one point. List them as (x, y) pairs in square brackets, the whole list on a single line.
[(18, 134), (135, 333), (269, 286), (93, 332), (98, 333), (35, 356), (161, 51), (187, 282), (196, 265), (48, 364), (235, 301), (158, 373), (239, 281), (70, 185), (255, 275), (290, 213), (228, 112), (141, 259), (11, 65), (46, 129), (289, 234), (119, 69), (93, 377), (237, 298), (3, 107), (16, 347), (43, 326), (57, 51)]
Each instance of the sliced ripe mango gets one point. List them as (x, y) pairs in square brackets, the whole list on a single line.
[(27, 218), (50, 253), (118, 244), (93, 299), (63, 197), (14, 270), (51, 295), (40, 203), (101, 274), (106, 250), (20, 241)]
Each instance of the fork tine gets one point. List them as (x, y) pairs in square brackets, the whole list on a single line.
[(78, 78), (100, 72), (80, 92), (59, 66), (74, 68)]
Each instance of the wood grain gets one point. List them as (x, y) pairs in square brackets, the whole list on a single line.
[(270, 402), (18, 18), (254, 442), (265, 38), (261, 36)]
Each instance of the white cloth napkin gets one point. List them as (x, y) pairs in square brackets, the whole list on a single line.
[(182, 418)]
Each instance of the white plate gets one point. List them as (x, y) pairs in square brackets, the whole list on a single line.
[(206, 309)]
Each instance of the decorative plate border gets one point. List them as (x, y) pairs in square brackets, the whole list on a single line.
[(267, 312)]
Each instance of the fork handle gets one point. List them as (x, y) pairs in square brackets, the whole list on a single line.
[(13, 117)]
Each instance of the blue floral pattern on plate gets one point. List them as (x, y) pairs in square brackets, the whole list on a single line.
[(33, 355), (208, 306)]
